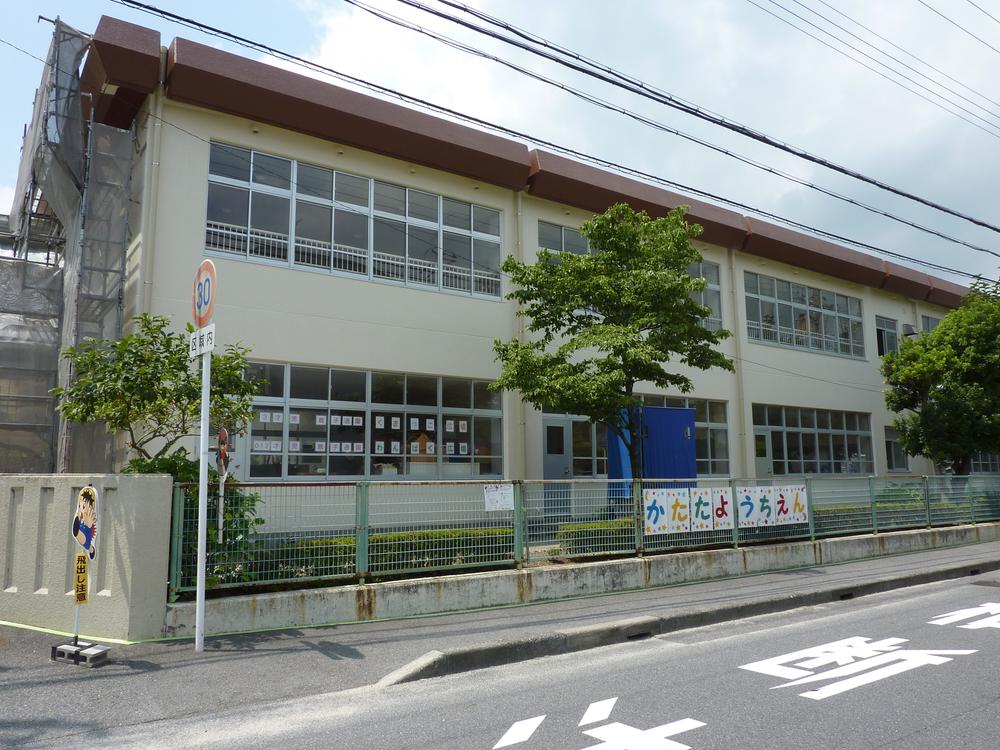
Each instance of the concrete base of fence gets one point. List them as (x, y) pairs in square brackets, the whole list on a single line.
[(508, 587)]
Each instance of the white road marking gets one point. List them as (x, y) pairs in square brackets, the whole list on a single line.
[(617, 736), (984, 609), (598, 711), (520, 731)]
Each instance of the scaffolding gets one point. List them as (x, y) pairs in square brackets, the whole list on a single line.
[(62, 259)]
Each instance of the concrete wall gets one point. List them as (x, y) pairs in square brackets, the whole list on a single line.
[(129, 575)]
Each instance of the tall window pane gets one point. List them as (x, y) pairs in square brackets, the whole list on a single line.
[(229, 161), (456, 214), (390, 198), (270, 170), (314, 181)]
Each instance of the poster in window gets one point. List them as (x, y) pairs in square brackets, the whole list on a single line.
[(463, 425), (463, 448), (294, 446), (414, 423), (275, 445), (395, 447), (260, 445), (379, 423), (293, 419), (395, 423), (321, 420), (359, 447), (345, 447), (359, 421), (277, 417), (449, 425), (335, 420), (334, 447), (450, 448), (379, 447), (429, 448), (265, 417), (321, 445), (430, 425), (414, 447)]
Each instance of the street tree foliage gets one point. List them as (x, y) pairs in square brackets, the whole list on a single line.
[(604, 322), (145, 386), (946, 384)]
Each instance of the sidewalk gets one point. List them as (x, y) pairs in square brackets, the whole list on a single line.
[(153, 681)]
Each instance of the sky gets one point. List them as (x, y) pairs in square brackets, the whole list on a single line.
[(730, 57)]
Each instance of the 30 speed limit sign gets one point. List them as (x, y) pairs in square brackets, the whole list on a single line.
[(203, 293)]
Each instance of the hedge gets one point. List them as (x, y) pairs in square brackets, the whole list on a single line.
[(387, 552), (596, 537)]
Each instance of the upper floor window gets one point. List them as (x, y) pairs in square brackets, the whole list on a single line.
[(928, 323), (279, 210), (886, 337), (788, 314), (561, 239), (711, 295)]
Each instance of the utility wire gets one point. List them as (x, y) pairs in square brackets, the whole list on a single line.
[(982, 10), (597, 161), (662, 127), (606, 74), (958, 25), (891, 57), (910, 54)]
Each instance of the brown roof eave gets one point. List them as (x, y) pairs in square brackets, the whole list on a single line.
[(122, 68), (573, 183), (221, 81), (796, 249)]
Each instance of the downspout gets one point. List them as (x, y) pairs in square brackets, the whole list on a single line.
[(151, 192), (521, 410), (738, 316)]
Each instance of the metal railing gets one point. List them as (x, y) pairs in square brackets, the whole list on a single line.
[(285, 533)]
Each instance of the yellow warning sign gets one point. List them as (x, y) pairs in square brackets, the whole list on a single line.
[(80, 582)]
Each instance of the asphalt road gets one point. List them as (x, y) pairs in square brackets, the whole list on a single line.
[(885, 683)]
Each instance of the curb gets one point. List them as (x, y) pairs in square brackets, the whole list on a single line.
[(567, 641)]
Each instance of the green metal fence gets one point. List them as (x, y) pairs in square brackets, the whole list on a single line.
[(284, 533)]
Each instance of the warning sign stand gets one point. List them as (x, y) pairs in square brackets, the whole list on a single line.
[(84, 532)]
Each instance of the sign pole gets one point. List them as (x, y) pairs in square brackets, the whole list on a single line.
[(206, 379), (203, 293)]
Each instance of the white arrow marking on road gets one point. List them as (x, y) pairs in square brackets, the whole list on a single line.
[(598, 711), (623, 737), (520, 731), (986, 608)]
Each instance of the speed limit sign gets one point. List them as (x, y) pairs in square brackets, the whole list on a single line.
[(203, 293)]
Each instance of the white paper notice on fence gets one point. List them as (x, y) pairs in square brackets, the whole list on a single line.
[(498, 497)]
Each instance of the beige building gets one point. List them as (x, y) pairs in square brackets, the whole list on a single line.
[(358, 246)]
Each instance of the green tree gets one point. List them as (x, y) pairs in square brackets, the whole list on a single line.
[(946, 383), (609, 320), (146, 386)]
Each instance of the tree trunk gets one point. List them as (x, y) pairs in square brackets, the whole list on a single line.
[(962, 466), (635, 444)]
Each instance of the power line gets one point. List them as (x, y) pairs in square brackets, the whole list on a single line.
[(891, 57), (260, 47), (982, 10), (636, 86), (910, 54), (665, 128), (958, 25)]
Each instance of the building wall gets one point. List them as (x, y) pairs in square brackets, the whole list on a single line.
[(291, 315)]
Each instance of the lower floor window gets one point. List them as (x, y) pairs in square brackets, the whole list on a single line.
[(438, 428), (895, 457), (986, 463), (795, 440)]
